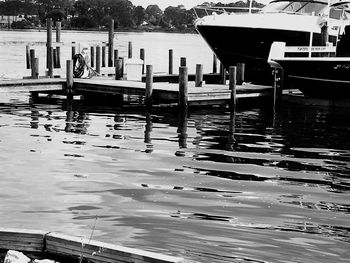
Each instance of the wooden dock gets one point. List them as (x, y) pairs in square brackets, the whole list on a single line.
[(163, 92)]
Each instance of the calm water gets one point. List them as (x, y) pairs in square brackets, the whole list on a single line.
[(210, 187)]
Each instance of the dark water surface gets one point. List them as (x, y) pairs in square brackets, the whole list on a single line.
[(210, 187)]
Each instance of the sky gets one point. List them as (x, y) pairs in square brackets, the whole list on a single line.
[(187, 3)]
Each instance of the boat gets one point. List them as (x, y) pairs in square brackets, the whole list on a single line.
[(62, 248), (246, 37)]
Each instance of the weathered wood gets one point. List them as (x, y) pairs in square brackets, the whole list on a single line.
[(54, 57), (223, 73), (35, 68), (98, 59), (199, 75), (149, 86), (92, 56), (58, 50), (58, 31), (129, 49), (28, 57), (103, 56), (232, 85), (69, 76), (95, 251), (171, 61), (182, 62), (183, 87), (240, 73), (142, 57), (119, 69), (50, 62), (73, 49), (32, 55), (110, 43), (116, 55)]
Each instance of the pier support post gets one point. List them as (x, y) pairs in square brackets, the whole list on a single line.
[(103, 56), (92, 55), (50, 63), (183, 87), (240, 73), (215, 64), (116, 55), (232, 85), (199, 75), (28, 59), (119, 69), (69, 77), (48, 41), (171, 61), (142, 57), (58, 50), (73, 49), (182, 62), (130, 49), (223, 74), (55, 58), (98, 59), (32, 55), (149, 86), (110, 43), (58, 31), (35, 67)]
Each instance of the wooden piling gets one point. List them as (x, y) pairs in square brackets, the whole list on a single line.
[(232, 85), (98, 59), (149, 86), (73, 49), (240, 73), (58, 31), (48, 41), (182, 62), (116, 55), (142, 57), (199, 75), (32, 55), (130, 49), (35, 67), (92, 55), (28, 57), (223, 74), (58, 50), (69, 77), (55, 58), (50, 63), (215, 64), (119, 69), (171, 61), (110, 43), (183, 87), (103, 56)]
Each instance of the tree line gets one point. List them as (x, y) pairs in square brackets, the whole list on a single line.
[(85, 14)]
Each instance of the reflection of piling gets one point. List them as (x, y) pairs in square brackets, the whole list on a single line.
[(182, 128), (183, 87), (171, 61), (232, 85), (148, 128), (111, 43), (69, 77), (149, 86)]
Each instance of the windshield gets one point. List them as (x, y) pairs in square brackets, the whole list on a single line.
[(299, 7)]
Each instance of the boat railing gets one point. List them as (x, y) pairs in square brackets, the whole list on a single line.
[(203, 10)]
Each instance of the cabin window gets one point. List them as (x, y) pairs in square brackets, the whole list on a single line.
[(298, 7)]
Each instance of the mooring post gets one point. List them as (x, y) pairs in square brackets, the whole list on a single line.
[(223, 74), (69, 77), (31, 56), (232, 85), (116, 55), (48, 41), (73, 49), (92, 55), (149, 86), (103, 55), (28, 57), (110, 43), (119, 69), (54, 58), (183, 87), (182, 62), (142, 57), (35, 67), (199, 75), (98, 59), (58, 50), (130, 49), (58, 31), (240, 73), (50, 63), (171, 61), (215, 64)]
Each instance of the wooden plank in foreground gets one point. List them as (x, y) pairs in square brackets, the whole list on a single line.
[(26, 85), (22, 240), (96, 251)]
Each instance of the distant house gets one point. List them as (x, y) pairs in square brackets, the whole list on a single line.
[(8, 20)]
